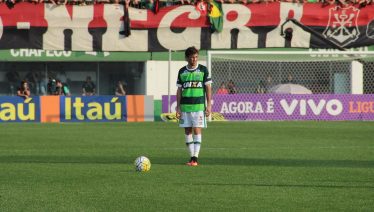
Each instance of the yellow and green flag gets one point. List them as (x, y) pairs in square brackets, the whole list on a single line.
[(216, 16)]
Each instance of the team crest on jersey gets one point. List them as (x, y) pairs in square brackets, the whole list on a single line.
[(198, 76), (342, 28)]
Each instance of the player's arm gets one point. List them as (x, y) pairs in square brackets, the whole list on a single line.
[(208, 90), (179, 97), (20, 93), (27, 93), (83, 91)]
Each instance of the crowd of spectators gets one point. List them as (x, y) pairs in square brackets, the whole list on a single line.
[(36, 83), (227, 88), (150, 4)]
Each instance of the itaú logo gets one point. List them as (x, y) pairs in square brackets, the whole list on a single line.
[(24, 111), (333, 107), (75, 107)]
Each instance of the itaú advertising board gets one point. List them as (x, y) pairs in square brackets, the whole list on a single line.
[(290, 107), (77, 109)]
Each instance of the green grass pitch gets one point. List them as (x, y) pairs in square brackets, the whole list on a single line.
[(245, 166)]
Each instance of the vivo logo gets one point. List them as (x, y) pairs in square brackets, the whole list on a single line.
[(333, 107)]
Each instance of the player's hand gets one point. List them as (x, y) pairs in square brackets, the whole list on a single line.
[(178, 113), (208, 111)]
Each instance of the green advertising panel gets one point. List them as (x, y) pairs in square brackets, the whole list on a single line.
[(35, 55)]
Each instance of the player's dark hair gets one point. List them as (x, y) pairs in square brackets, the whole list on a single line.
[(190, 51)]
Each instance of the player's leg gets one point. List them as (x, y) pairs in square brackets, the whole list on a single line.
[(196, 143), (199, 121), (189, 142), (186, 123)]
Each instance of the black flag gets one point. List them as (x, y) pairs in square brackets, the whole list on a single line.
[(126, 20)]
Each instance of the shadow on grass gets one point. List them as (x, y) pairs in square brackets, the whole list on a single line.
[(180, 161)]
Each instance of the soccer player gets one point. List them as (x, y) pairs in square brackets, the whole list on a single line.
[(194, 96)]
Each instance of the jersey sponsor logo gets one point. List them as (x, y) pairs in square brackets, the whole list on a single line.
[(192, 85), (195, 76)]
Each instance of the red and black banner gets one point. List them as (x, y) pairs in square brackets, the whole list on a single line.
[(99, 27)]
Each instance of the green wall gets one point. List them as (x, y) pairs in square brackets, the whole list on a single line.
[(38, 55)]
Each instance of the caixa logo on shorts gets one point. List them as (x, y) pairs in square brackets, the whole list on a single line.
[(342, 28)]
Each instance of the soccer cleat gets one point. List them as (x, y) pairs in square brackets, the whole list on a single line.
[(189, 163), (194, 163)]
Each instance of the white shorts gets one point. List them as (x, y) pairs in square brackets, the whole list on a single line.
[(193, 119)]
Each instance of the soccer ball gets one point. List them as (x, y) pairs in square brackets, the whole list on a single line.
[(142, 164)]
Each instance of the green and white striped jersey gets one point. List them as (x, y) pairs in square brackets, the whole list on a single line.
[(192, 82)]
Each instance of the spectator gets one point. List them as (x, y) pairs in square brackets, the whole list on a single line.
[(51, 86), (59, 2), (61, 89), (264, 86), (89, 2), (152, 4), (120, 89), (43, 83), (23, 90), (222, 89), (52, 74), (289, 79), (202, 7), (13, 79), (32, 79), (102, 1), (231, 87), (34, 1), (10, 3), (61, 75), (88, 87)]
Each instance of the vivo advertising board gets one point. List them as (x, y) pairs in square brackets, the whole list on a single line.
[(290, 107)]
